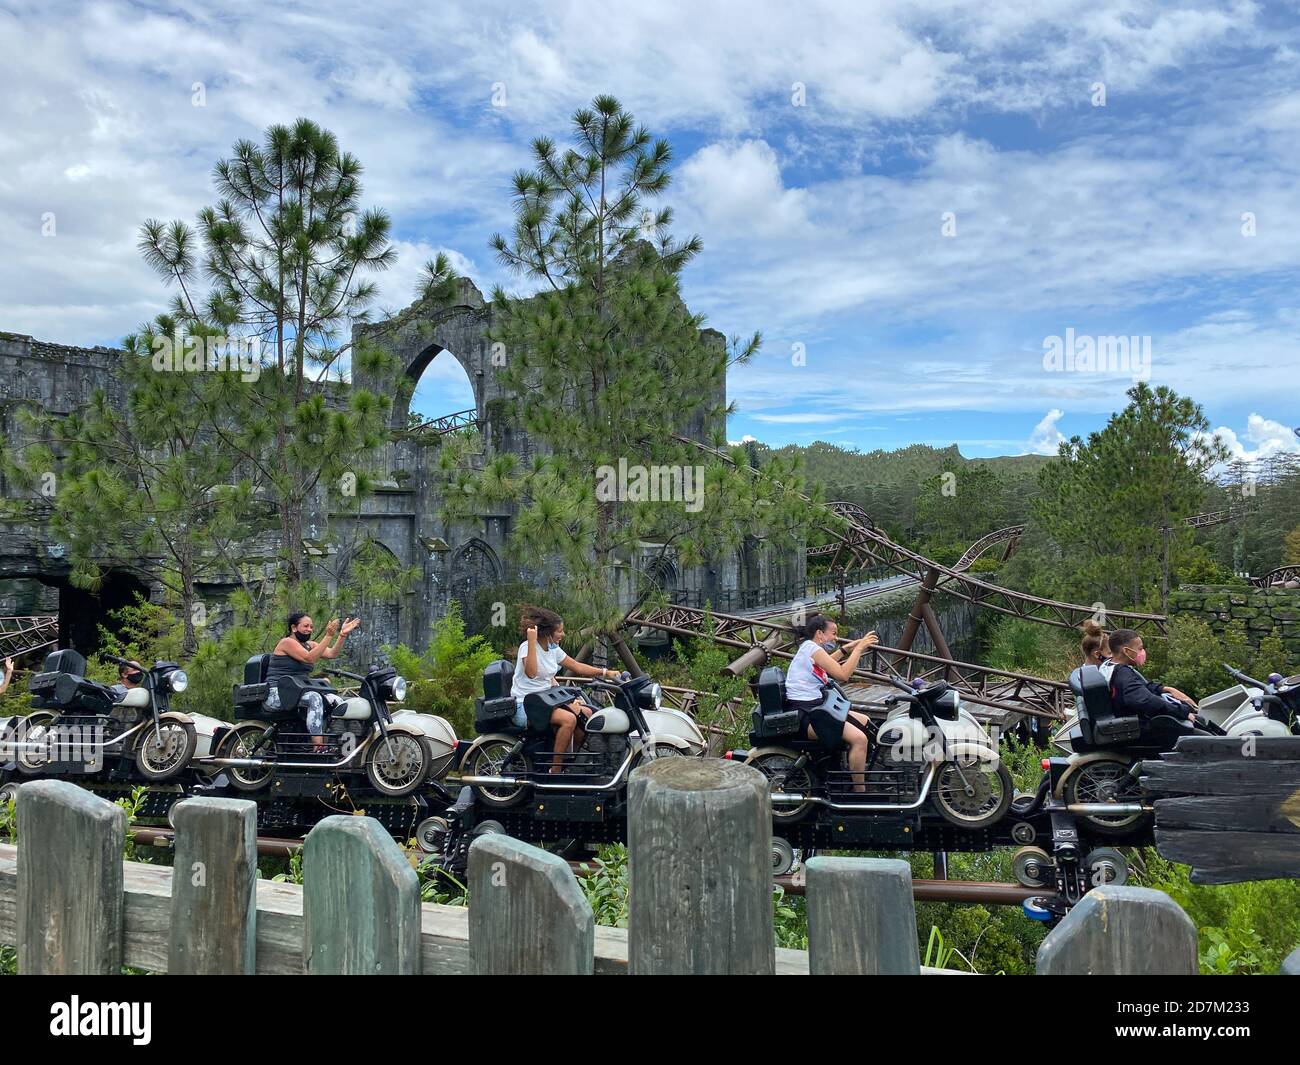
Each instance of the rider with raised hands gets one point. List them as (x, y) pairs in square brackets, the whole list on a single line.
[(298, 653)]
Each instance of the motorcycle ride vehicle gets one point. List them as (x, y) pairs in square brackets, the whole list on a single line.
[(507, 762), (1255, 707), (79, 727), (928, 748), (396, 753), (1106, 750)]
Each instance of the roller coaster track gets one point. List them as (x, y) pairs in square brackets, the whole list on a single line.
[(867, 545), (20, 635), (763, 638), (435, 428), (1278, 576)]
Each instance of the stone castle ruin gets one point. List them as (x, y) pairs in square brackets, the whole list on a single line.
[(461, 559)]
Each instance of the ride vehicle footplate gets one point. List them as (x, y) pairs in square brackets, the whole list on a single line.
[(570, 808), (872, 830)]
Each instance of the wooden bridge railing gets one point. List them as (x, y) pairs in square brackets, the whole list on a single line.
[(700, 898)]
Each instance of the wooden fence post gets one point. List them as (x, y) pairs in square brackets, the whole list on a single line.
[(527, 913), (861, 917), (214, 888), (1121, 931), (360, 900), (70, 906), (699, 869)]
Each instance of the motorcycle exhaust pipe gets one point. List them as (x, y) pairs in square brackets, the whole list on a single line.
[(1108, 808), (262, 763), (496, 782)]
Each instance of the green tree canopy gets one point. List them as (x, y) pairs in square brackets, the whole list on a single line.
[(1114, 504)]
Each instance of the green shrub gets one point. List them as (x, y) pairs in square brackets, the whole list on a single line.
[(1245, 929), (1020, 646), (447, 677), (702, 665)]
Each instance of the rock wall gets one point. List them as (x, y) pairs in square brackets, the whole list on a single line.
[(1259, 611), (888, 613)]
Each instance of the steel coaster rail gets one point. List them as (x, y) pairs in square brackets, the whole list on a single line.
[(998, 689)]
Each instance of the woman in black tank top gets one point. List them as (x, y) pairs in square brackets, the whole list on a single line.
[(298, 653)]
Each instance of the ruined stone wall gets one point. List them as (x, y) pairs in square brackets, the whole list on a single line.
[(405, 516)]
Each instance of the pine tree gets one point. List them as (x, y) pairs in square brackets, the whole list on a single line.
[(290, 251), (1115, 504), (606, 364)]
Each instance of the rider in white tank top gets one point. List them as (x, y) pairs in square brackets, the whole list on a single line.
[(805, 680)]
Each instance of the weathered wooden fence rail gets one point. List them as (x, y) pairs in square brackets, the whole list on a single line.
[(700, 898), (1229, 808)]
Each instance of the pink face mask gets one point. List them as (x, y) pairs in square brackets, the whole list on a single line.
[(1141, 657)]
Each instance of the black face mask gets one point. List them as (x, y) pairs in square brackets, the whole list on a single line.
[(302, 638), (133, 678)]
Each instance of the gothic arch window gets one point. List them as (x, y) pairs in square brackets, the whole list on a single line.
[(660, 575), (381, 617), (437, 385), (474, 567)]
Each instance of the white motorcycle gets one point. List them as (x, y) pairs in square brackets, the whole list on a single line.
[(929, 748), (506, 761)]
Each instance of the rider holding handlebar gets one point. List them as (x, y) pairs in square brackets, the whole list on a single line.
[(818, 660), (1132, 693)]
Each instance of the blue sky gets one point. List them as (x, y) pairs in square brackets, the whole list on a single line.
[(822, 150)]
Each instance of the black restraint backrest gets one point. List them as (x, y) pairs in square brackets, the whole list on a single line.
[(771, 690), (1097, 719), (255, 669), (65, 661), (497, 679)]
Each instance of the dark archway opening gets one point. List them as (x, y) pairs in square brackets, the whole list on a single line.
[(82, 612)]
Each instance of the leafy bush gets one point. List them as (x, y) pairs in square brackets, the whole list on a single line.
[(703, 664), (605, 885), (447, 677), (1245, 929), (1020, 646), (1193, 660), (8, 822)]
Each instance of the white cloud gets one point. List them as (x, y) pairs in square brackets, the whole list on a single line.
[(821, 223), (1265, 437), (1046, 437)]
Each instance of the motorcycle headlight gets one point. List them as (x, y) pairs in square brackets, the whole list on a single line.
[(178, 680), (312, 702), (397, 690)]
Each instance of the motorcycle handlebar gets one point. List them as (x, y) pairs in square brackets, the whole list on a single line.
[(1236, 674)]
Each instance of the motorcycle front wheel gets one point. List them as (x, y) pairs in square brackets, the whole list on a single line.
[(33, 729), (244, 741), (397, 764), (975, 795), (1106, 780), (162, 755), (783, 777)]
